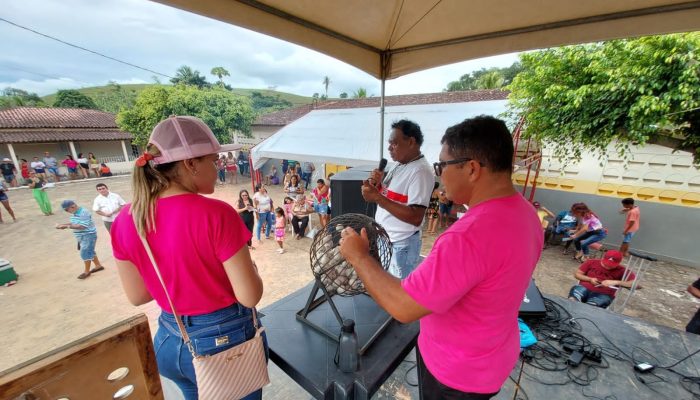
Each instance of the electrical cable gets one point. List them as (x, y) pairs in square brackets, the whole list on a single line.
[(558, 334), (83, 48)]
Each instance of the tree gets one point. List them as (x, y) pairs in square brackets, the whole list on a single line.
[(187, 76), (624, 92), (11, 97), (73, 99), (471, 81), (115, 98), (490, 80), (220, 109), (220, 72), (263, 104), (360, 93), (326, 82), (344, 95)]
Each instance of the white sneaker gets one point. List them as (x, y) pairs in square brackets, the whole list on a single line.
[(281, 251)]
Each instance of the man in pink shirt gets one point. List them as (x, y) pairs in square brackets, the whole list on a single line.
[(468, 290), (631, 224)]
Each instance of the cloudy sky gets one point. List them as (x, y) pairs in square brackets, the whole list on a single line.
[(162, 39)]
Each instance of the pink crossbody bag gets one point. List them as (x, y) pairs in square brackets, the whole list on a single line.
[(231, 374)]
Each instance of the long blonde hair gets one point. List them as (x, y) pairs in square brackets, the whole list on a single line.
[(148, 182)]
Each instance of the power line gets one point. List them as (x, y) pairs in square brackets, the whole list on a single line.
[(83, 48), (44, 75)]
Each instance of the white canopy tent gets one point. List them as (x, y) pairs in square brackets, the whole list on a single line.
[(390, 38), (348, 136)]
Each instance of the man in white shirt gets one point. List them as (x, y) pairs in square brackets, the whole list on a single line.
[(402, 196), (107, 205), (39, 168)]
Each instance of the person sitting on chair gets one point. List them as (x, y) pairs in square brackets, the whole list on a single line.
[(600, 279), (564, 222)]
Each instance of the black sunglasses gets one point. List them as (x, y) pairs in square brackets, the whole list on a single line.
[(439, 166)]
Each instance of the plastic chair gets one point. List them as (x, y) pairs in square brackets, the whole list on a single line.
[(637, 263)]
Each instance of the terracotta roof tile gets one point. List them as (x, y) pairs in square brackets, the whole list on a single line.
[(61, 135), (35, 117), (284, 117)]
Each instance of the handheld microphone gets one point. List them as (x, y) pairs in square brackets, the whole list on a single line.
[(382, 164), (381, 168)]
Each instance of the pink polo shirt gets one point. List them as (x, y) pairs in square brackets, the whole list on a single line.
[(473, 281), (194, 236)]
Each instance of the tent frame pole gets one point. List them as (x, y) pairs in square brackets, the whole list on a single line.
[(385, 62), (381, 121)]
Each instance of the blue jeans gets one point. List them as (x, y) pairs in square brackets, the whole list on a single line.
[(222, 175), (173, 357), (584, 295), (264, 218), (405, 255), (306, 177), (582, 242)]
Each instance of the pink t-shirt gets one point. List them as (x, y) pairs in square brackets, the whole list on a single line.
[(632, 216), (473, 281), (194, 236)]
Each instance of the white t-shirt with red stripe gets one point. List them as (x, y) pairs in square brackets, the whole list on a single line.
[(407, 184)]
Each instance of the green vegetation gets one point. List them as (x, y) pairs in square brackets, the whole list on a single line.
[(360, 93), (223, 111), (633, 91), (485, 78), (11, 97), (73, 99), (135, 89)]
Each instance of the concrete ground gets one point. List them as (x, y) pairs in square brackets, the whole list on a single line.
[(49, 307)]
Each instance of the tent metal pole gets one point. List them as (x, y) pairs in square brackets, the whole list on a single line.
[(381, 121)]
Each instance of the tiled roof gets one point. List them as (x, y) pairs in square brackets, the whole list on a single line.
[(61, 135), (284, 117), (35, 117)]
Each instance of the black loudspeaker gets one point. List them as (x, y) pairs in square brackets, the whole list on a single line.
[(346, 192)]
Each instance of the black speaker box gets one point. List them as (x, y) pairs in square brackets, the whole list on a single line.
[(346, 192)]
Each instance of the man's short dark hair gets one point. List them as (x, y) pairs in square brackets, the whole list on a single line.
[(321, 181), (484, 139), (628, 201), (99, 185), (409, 129)]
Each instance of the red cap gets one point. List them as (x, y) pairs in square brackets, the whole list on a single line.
[(612, 258)]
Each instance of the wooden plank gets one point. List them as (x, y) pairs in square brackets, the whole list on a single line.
[(79, 370)]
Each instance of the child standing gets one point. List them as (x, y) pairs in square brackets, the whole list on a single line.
[(288, 204), (280, 224)]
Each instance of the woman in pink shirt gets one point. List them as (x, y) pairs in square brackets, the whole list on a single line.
[(590, 231), (199, 245)]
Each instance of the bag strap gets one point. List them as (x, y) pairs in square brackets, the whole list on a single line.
[(180, 325)]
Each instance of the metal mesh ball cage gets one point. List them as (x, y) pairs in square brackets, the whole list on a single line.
[(330, 267)]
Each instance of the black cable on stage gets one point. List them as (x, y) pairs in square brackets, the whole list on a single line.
[(405, 375), (681, 360)]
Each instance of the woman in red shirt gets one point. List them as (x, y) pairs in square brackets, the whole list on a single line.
[(199, 245)]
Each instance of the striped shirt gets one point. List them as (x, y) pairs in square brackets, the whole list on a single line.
[(83, 217)]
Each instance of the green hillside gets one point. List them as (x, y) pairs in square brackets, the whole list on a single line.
[(296, 100)]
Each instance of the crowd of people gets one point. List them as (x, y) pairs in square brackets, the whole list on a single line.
[(48, 170)]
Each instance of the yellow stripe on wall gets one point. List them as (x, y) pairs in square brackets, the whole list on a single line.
[(677, 197)]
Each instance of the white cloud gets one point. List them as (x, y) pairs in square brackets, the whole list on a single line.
[(162, 39)]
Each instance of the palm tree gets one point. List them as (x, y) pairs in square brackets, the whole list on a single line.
[(490, 80), (188, 76), (220, 72), (360, 93), (326, 82)]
